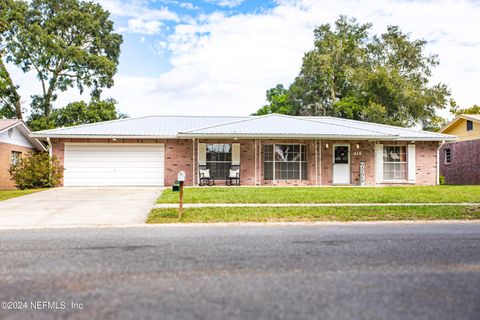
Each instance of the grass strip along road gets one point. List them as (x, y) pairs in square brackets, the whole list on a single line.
[(406, 194), (312, 214)]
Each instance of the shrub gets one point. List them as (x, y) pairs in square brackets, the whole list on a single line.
[(36, 170), (442, 180)]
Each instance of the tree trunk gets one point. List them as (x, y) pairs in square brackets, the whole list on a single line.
[(12, 89)]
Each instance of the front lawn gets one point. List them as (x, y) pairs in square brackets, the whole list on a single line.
[(407, 194), (8, 194), (310, 214)]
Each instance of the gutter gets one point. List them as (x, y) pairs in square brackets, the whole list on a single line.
[(77, 136)]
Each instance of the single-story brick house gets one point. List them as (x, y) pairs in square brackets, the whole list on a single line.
[(460, 160), (15, 142), (271, 150)]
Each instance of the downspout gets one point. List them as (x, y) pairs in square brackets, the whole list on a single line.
[(50, 161), (256, 164), (438, 161), (50, 150)]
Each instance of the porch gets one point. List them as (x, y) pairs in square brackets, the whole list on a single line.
[(315, 162)]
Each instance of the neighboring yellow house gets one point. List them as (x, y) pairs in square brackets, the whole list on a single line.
[(465, 127)]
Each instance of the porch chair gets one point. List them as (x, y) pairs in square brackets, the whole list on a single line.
[(205, 176), (233, 177)]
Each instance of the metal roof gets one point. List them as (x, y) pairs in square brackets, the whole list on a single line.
[(406, 133), (281, 125), (268, 126), (151, 126)]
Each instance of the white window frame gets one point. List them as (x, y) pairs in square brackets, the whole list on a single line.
[(449, 157), (302, 145), (403, 162), (15, 159)]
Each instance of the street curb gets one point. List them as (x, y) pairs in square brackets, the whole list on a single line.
[(246, 224)]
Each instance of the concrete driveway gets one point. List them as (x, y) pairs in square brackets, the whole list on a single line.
[(79, 206)]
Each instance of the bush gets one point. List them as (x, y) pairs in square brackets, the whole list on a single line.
[(442, 180), (36, 170)]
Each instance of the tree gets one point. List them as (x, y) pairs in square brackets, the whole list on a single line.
[(66, 43), (10, 106), (77, 113), (455, 110), (353, 74), (279, 101)]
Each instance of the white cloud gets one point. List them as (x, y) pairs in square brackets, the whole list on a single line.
[(188, 5), (226, 3), (224, 64), (138, 9), (142, 27)]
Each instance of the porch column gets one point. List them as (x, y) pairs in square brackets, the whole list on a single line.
[(255, 164), (194, 169), (259, 162), (319, 162)]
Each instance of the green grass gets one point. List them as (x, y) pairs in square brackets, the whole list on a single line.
[(310, 214), (406, 194), (8, 194)]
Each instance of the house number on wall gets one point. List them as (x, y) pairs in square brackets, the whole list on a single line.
[(357, 153)]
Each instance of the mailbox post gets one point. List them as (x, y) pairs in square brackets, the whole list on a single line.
[(181, 180)]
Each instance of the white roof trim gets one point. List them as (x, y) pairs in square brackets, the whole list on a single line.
[(462, 116), (27, 133)]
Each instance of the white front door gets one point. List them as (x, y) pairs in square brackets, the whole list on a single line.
[(341, 164)]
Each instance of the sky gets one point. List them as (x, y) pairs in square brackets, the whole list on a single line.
[(218, 57)]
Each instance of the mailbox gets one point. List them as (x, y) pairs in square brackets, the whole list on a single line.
[(176, 186), (181, 176)]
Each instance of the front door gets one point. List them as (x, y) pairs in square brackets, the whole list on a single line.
[(341, 164)]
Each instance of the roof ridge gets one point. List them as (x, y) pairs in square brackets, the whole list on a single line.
[(135, 118), (227, 123)]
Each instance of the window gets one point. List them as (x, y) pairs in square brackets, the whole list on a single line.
[(394, 163), (469, 125), (285, 162), (341, 155), (15, 157), (448, 155), (219, 159)]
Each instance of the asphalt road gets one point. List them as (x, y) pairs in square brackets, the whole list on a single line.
[(394, 271)]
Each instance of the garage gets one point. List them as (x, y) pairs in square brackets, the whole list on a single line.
[(109, 164)]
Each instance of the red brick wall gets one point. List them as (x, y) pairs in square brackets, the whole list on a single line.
[(464, 167), (426, 162), (5, 160), (179, 156), (365, 152)]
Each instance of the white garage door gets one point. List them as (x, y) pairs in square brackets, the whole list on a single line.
[(89, 164)]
